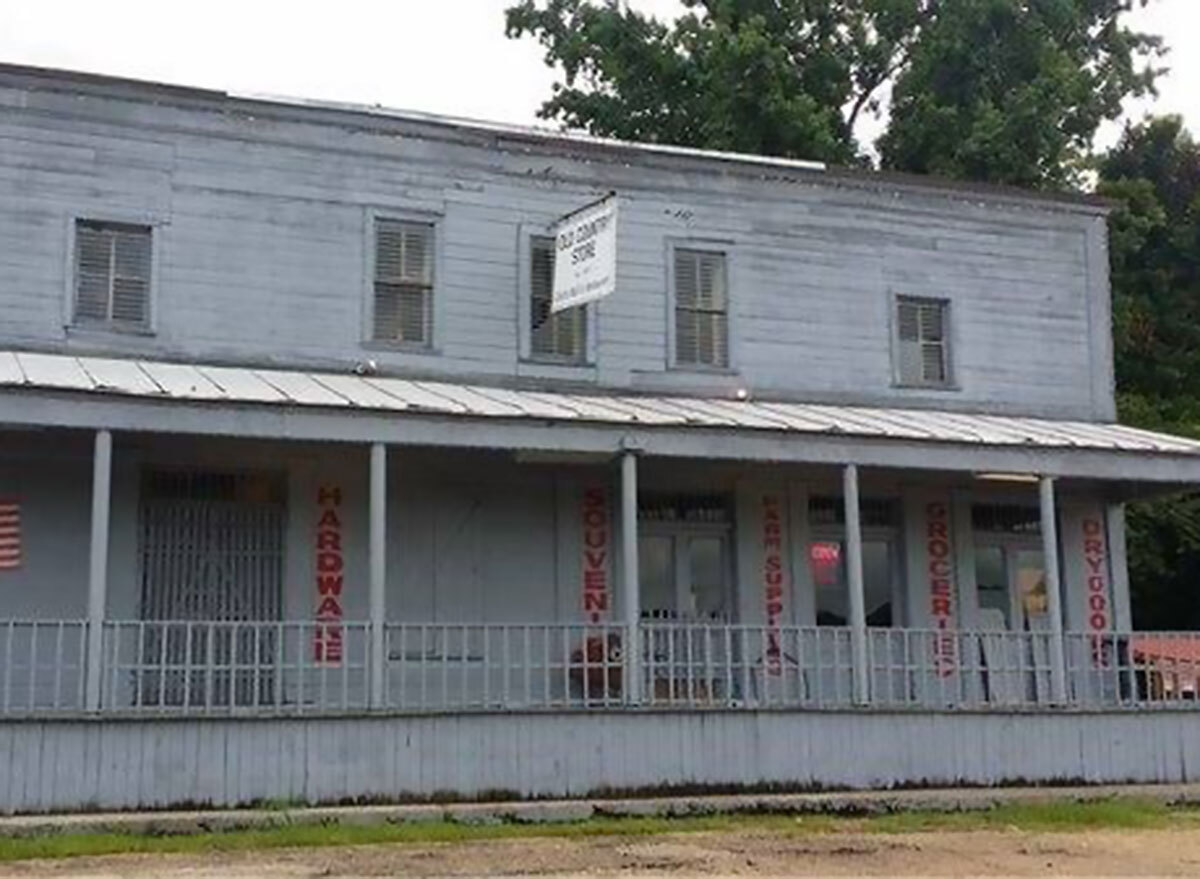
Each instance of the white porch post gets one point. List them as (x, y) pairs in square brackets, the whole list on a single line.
[(98, 567), (854, 580), (631, 590), (378, 571), (1058, 657)]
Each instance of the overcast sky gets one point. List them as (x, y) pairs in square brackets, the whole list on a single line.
[(440, 56)]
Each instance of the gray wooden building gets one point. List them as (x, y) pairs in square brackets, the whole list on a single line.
[(305, 493)]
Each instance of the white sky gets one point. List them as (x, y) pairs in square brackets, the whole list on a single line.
[(440, 56)]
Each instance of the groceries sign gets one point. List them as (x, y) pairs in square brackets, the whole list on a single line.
[(585, 255)]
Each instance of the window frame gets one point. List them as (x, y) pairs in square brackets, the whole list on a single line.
[(527, 232), (151, 223), (949, 343), (727, 249), (435, 219)]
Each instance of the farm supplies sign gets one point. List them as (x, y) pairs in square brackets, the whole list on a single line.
[(585, 255)]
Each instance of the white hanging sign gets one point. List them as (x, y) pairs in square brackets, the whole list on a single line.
[(585, 255)]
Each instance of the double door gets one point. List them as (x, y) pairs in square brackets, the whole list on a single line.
[(685, 574), (1010, 581)]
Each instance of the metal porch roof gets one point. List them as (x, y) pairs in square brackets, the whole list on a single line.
[(197, 383)]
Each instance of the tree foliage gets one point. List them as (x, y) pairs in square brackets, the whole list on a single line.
[(1153, 177), (1003, 90), (1013, 91)]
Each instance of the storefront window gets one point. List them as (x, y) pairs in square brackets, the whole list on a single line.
[(827, 563)]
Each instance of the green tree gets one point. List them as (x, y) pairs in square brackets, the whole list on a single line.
[(1012, 91), (1153, 177), (777, 77), (1002, 90)]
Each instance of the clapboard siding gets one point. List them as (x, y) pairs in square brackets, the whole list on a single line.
[(262, 223), (116, 764)]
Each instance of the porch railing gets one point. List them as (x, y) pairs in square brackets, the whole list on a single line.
[(41, 665), (504, 665), (180, 667), (206, 667), (746, 666)]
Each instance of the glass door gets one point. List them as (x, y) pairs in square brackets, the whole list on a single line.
[(685, 577)]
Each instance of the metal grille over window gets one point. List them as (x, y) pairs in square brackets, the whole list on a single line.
[(1006, 518), (924, 354), (211, 548), (112, 274), (403, 281), (701, 309), (873, 512), (561, 336)]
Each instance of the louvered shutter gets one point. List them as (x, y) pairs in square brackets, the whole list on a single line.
[(561, 336), (701, 309), (112, 273), (403, 281), (922, 341)]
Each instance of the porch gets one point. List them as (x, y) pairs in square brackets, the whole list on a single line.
[(202, 562)]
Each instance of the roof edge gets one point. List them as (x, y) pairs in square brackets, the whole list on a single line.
[(571, 142)]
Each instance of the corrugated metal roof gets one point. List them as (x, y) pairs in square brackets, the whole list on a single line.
[(272, 387)]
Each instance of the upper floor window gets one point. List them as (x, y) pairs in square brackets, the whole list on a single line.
[(112, 275), (403, 289), (923, 341), (701, 308), (560, 336)]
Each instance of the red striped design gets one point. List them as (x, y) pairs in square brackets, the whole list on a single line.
[(10, 535)]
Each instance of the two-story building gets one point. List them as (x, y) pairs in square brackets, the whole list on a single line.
[(305, 493)]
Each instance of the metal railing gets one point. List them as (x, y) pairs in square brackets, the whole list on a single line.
[(41, 665), (1139, 669), (504, 665), (746, 666), (197, 667), (206, 667), (959, 669)]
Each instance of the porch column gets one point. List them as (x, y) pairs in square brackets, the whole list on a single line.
[(98, 567), (1058, 674), (854, 580), (631, 591), (377, 594)]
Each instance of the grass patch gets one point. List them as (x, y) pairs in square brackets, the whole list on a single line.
[(1050, 816), (1053, 816)]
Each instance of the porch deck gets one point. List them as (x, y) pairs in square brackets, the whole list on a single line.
[(188, 668)]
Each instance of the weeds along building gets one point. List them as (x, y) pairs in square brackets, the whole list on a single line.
[(305, 493)]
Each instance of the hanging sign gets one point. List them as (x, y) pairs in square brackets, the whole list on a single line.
[(595, 553), (330, 564), (773, 578), (1095, 560), (585, 255), (939, 556), (10, 535)]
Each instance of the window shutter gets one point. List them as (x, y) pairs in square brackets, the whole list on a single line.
[(131, 276), (403, 281), (93, 258), (921, 332), (701, 314), (112, 273), (561, 336)]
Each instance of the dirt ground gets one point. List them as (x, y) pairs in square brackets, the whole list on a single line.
[(942, 853)]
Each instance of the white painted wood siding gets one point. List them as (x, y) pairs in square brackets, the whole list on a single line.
[(262, 222), (140, 764)]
